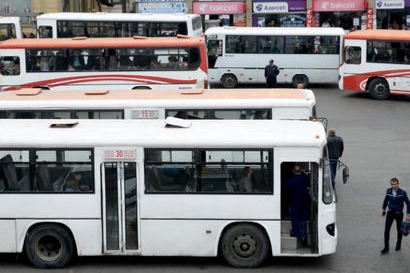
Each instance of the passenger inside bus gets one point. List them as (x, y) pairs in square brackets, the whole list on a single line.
[(77, 183)]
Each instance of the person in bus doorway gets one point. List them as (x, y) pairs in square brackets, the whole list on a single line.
[(298, 188), (335, 148), (271, 72), (245, 183), (394, 201)]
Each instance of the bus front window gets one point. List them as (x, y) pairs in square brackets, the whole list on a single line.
[(352, 55)]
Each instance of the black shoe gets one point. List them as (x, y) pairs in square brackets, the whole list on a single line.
[(397, 248), (384, 251)]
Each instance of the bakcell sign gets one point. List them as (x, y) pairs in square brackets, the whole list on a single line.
[(218, 7), (338, 5), (270, 7)]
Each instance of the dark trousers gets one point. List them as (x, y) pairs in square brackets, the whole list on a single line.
[(298, 215), (271, 81), (390, 217), (333, 168)]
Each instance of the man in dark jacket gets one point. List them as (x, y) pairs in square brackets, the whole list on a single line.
[(298, 187), (271, 71), (394, 201), (335, 147)]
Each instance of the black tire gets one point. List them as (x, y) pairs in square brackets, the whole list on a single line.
[(229, 81), (379, 89), (42, 87), (300, 79), (245, 246), (141, 88), (49, 246)]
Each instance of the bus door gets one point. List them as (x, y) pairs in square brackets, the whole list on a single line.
[(214, 51), (289, 243), (120, 214)]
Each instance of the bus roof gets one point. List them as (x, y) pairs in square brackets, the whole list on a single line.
[(10, 19), (114, 42), (379, 34), (36, 98), (155, 134), (302, 31), (105, 16)]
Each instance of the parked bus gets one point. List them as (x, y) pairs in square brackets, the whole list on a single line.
[(376, 61), (109, 63), (109, 187), (10, 27), (159, 104), (102, 24), (238, 55)]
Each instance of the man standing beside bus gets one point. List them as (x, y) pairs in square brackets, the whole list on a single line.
[(271, 71), (335, 147)]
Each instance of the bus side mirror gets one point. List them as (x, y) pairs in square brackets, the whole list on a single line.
[(345, 173)]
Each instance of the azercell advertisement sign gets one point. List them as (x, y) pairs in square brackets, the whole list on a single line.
[(270, 7), (292, 5), (392, 4), (338, 5)]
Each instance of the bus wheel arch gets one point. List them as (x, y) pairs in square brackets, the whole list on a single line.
[(300, 79), (244, 245), (229, 80), (379, 88), (141, 87), (42, 87), (49, 245)]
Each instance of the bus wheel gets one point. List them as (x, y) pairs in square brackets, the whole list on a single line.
[(245, 246), (229, 81), (379, 89), (300, 79), (49, 246), (141, 88)]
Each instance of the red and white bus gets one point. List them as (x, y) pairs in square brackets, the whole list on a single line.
[(376, 61), (110, 63)]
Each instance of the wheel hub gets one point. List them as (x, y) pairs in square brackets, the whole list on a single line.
[(245, 246)]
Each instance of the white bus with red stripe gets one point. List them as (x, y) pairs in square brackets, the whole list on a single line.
[(110, 63), (377, 62)]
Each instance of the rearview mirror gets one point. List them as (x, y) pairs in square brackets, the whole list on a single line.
[(345, 173)]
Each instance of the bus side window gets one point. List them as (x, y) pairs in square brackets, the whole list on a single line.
[(353, 55), (182, 28), (45, 32), (10, 65)]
